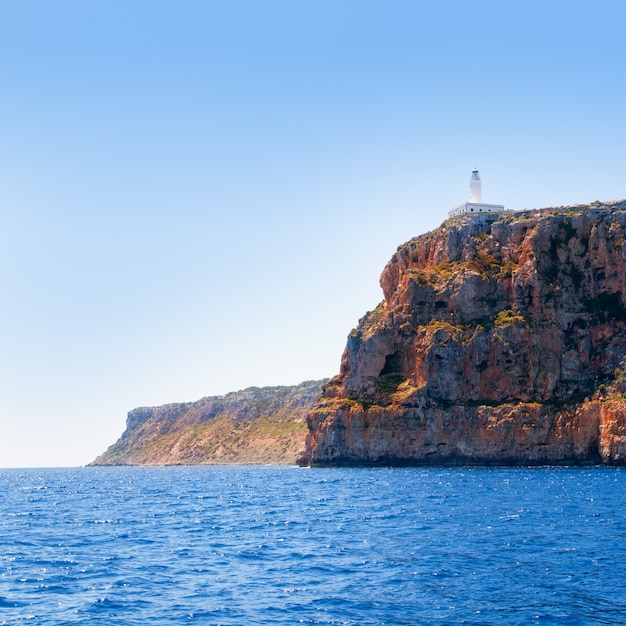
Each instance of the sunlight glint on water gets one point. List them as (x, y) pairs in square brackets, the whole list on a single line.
[(276, 545)]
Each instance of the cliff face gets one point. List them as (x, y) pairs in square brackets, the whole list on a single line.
[(256, 425), (501, 339)]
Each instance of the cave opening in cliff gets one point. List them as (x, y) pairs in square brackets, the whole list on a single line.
[(394, 364)]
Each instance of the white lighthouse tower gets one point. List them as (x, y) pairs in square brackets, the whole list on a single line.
[(475, 204), (476, 189)]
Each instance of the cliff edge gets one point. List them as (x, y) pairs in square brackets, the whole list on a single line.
[(256, 425), (501, 339)]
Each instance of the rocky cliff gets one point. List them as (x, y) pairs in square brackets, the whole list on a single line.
[(256, 425), (501, 339)]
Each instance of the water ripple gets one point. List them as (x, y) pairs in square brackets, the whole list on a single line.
[(276, 545)]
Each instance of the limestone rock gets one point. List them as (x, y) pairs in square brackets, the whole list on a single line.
[(501, 339), (256, 425)]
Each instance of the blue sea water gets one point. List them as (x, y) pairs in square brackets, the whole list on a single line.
[(284, 545)]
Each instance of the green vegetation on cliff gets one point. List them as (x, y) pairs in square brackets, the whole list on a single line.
[(257, 425), (501, 339)]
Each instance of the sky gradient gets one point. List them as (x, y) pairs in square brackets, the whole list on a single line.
[(197, 197)]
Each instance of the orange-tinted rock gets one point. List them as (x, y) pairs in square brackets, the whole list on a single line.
[(501, 339), (256, 425)]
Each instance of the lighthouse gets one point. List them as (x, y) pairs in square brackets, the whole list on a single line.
[(475, 204), (476, 190)]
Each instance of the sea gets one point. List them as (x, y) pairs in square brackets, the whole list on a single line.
[(288, 545)]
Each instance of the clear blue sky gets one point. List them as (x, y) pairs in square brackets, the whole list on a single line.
[(197, 196)]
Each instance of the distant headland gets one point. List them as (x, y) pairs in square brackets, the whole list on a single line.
[(258, 425)]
